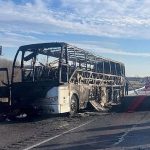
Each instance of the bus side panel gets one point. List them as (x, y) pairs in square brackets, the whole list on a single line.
[(52, 101), (82, 91), (59, 99), (64, 98)]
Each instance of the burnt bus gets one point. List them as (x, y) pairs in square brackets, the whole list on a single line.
[(58, 78)]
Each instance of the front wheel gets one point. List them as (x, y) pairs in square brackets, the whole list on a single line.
[(73, 105)]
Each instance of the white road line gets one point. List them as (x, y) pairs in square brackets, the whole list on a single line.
[(54, 137), (121, 139), (134, 127)]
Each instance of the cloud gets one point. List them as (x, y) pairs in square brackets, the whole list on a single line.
[(97, 49), (22, 22), (124, 53), (14, 40), (129, 18)]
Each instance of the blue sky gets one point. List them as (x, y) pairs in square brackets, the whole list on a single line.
[(116, 29)]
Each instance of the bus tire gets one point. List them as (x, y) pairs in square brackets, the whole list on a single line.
[(74, 105)]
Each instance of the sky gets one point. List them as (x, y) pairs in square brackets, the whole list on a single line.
[(115, 29)]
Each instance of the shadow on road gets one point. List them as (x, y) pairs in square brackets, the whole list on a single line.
[(35, 118), (133, 103)]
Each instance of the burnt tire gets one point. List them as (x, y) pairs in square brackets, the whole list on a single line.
[(74, 105)]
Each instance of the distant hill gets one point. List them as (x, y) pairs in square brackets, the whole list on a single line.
[(139, 79), (137, 82)]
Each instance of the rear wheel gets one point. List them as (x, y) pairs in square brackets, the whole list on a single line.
[(73, 105)]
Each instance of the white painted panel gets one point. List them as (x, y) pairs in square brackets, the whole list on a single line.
[(57, 99), (63, 97)]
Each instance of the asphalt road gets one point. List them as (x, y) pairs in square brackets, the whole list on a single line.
[(116, 131), (126, 128)]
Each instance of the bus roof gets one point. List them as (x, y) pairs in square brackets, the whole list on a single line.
[(54, 49)]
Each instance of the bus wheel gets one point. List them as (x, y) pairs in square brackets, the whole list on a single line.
[(73, 105)]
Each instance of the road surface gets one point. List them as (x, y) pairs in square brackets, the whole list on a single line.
[(126, 128), (116, 131)]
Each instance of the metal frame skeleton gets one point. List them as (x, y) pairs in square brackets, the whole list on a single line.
[(78, 78)]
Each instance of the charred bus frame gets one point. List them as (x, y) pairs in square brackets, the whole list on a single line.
[(77, 78)]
